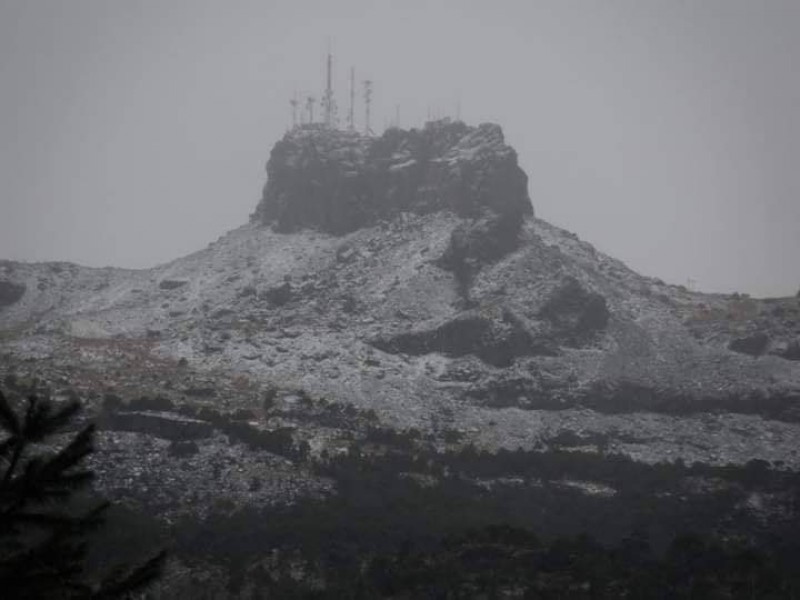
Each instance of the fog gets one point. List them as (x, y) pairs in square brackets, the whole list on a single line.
[(665, 133)]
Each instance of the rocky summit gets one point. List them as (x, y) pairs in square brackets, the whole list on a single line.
[(340, 181), (397, 294)]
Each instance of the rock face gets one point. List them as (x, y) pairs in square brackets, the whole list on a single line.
[(789, 350), (754, 345), (337, 181), (575, 315), (10, 293), (161, 425), (495, 341), (477, 243)]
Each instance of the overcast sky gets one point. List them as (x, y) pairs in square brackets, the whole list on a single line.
[(667, 133)]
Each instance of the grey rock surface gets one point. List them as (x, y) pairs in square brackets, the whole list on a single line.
[(339, 181)]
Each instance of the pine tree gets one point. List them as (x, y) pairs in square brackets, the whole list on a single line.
[(44, 525)]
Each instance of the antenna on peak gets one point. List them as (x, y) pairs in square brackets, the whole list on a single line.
[(351, 123), (310, 100), (294, 103), (328, 102), (367, 104)]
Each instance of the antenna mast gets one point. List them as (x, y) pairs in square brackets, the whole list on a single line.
[(310, 100), (367, 102), (327, 100), (351, 123), (294, 104)]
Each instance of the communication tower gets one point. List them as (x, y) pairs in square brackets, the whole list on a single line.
[(328, 101), (367, 104), (310, 100), (351, 123), (294, 103)]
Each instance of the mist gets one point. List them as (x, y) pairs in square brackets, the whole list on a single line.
[(664, 133)]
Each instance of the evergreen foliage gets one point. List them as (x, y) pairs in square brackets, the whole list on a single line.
[(406, 523), (46, 514)]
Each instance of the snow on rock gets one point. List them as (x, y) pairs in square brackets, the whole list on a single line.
[(338, 181), (406, 275)]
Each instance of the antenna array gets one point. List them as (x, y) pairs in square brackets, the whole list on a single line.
[(303, 111)]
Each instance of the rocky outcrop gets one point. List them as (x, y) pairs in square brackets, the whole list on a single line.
[(497, 342), (167, 426), (752, 345), (279, 295), (171, 284), (787, 350), (338, 181), (476, 243), (11, 293), (575, 315)]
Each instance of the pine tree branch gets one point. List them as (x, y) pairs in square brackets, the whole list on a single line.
[(18, 445), (44, 520), (81, 446), (8, 418), (5, 447), (41, 421), (34, 566), (135, 580)]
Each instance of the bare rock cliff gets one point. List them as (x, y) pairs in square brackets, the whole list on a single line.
[(339, 181)]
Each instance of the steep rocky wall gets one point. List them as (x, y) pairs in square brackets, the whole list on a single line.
[(337, 181)]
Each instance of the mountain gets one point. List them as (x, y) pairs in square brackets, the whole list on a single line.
[(400, 288)]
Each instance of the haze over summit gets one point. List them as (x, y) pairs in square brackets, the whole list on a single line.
[(662, 133)]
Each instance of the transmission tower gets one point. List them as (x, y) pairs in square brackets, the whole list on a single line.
[(310, 100), (351, 123), (294, 103), (367, 102), (328, 103)]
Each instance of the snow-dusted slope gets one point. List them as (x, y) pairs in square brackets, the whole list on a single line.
[(431, 317)]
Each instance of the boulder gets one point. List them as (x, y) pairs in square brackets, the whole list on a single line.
[(168, 426), (183, 448), (792, 351), (280, 295), (574, 314), (11, 292), (752, 345), (497, 342), (171, 284)]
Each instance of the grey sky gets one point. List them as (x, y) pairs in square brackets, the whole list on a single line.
[(666, 133)]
